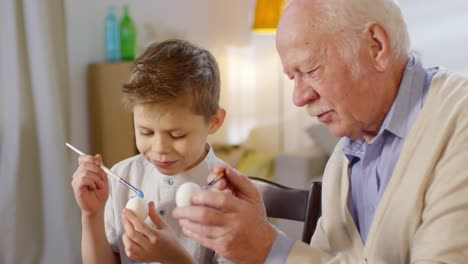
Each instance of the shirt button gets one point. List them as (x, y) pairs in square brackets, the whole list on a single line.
[(162, 212), (169, 181)]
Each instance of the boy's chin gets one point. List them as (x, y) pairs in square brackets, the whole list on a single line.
[(168, 171)]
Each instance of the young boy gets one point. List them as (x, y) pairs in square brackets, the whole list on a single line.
[(174, 93)]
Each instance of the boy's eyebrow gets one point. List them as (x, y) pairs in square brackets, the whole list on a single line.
[(140, 126), (165, 130)]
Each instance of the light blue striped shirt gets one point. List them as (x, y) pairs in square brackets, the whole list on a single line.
[(372, 163)]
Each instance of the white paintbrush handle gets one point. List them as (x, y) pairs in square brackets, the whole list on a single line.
[(104, 168), (109, 172), (74, 149)]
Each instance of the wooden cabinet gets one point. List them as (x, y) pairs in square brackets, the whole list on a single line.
[(111, 125)]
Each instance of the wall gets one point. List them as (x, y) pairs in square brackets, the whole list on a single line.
[(222, 26), (439, 34), (252, 78), (438, 31), (212, 24)]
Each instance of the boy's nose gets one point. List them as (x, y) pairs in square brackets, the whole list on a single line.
[(160, 145)]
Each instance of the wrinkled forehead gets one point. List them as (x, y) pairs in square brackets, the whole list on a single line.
[(299, 27), (301, 49)]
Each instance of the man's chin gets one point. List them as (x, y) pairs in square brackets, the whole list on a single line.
[(336, 131)]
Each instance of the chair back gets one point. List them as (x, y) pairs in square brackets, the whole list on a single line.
[(292, 204)]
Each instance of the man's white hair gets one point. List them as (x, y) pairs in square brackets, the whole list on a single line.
[(354, 15)]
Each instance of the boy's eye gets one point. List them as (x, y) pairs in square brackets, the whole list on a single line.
[(146, 133), (177, 136)]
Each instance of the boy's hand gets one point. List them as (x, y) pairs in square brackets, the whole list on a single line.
[(90, 185), (150, 244)]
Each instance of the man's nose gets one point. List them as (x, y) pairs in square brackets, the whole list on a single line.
[(303, 92)]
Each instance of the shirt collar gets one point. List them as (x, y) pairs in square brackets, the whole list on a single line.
[(409, 100), (402, 112)]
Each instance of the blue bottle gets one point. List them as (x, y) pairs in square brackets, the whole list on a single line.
[(112, 36)]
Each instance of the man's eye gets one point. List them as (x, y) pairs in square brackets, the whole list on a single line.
[(312, 71)]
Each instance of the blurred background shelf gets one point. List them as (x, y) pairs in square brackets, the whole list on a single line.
[(111, 125)]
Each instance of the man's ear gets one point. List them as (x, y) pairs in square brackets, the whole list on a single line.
[(380, 50), (217, 120)]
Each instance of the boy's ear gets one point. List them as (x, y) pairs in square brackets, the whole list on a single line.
[(217, 120)]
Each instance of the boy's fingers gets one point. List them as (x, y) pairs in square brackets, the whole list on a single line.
[(92, 168), (90, 172), (85, 183), (131, 248), (88, 180), (83, 159), (98, 159), (157, 220), (133, 228)]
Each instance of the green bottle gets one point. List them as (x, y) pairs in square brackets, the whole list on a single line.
[(127, 36)]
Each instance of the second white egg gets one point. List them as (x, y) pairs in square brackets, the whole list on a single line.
[(185, 192)]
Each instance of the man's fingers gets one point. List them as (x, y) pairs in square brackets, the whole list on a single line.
[(240, 183), (205, 215), (207, 231), (205, 241), (217, 171), (233, 180), (224, 201)]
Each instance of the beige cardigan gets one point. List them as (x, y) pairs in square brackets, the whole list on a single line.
[(423, 214)]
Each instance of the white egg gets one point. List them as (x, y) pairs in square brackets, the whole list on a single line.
[(185, 193), (139, 206)]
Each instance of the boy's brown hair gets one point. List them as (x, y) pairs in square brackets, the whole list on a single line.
[(173, 70)]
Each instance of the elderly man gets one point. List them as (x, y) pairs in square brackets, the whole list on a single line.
[(395, 190)]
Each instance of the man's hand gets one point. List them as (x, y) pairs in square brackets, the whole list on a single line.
[(233, 223)]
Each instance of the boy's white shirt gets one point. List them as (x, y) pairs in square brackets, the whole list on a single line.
[(161, 189)]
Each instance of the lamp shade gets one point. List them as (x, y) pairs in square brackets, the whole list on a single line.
[(267, 14)]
